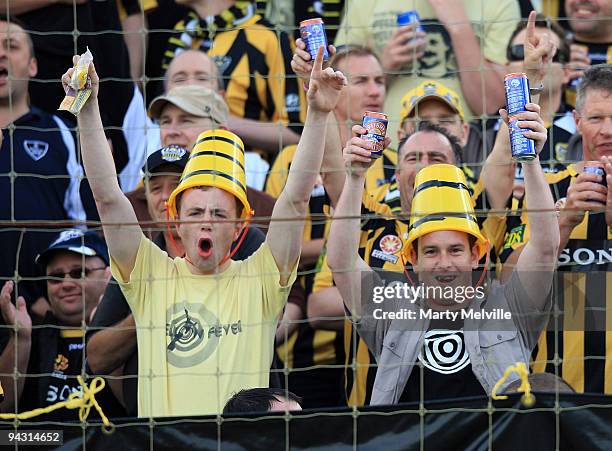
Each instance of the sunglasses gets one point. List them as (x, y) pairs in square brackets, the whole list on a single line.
[(517, 53), (57, 277)]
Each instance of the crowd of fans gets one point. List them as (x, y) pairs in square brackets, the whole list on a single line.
[(117, 229)]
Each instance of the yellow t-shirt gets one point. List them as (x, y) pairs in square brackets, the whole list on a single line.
[(372, 23), (201, 338)]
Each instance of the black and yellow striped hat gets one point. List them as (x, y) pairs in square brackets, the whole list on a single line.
[(442, 201), (217, 160)]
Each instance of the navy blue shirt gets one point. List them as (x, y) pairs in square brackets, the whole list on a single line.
[(40, 180)]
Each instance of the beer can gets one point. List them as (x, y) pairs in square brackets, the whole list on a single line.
[(376, 126), (595, 167), (313, 34), (517, 93), (523, 149), (408, 17)]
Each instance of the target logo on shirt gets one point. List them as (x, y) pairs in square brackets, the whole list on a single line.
[(444, 351)]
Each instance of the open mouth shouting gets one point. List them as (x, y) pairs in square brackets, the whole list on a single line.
[(205, 247)]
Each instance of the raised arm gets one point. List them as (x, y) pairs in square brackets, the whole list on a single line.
[(343, 243), (119, 221), (537, 260), (286, 227)]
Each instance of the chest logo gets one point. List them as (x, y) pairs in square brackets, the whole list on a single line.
[(390, 244), (60, 363), (193, 333), (444, 351), (35, 149)]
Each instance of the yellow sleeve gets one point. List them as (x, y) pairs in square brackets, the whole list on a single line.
[(355, 26), (276, 78), (323, 278), (498, 29), (151, 264), (261, 269), (277, 176)]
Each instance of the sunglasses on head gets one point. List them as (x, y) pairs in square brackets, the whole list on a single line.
[(517, 53), (56, 277)]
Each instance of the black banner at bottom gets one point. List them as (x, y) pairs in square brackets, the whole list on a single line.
[(576, 422)]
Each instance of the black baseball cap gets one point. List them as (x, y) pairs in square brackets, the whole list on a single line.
[(86, 243), (172, 155)]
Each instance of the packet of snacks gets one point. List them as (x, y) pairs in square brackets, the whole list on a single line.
[(79, 87)]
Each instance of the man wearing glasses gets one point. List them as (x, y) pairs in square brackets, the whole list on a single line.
[(77, 268)]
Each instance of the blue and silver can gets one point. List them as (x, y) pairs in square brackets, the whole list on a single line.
[(408, 17), (376, 126), (523, 149), (595, 167), (517, 93), (313, 34)]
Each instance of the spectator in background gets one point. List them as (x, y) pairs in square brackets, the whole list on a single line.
[(287, 14), (549, 76), (41, 153), (262, 400), (433, 102), (265, 101), (77, 271), (585, 222), (133, 16), (454, 48), (184, 113), (590, 21), (99, 28), (195, 67), (554, 77)]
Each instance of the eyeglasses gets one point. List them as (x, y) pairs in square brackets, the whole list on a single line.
[(517, 53), (57, 277)]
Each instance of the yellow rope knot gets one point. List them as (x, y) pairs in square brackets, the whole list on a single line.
[(82, 402), (527, 399)]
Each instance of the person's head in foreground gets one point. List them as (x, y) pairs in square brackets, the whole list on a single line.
[(210, 201), (262, 400), (77, 268), (593, 112), (444, 242)]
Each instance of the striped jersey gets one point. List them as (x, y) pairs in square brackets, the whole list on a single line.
[(253, 59), (580, 336)]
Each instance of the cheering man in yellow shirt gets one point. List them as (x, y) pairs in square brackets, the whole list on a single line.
[(205, 323)]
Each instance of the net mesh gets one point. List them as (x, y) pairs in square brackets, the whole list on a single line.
[(314, 350)]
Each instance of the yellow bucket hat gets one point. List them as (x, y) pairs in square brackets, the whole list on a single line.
[(442, 202), (216, 160)]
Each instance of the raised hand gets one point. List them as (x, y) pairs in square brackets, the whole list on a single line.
[(325, 86), (357, 153), (93, 75), (579, 60), (405, 45), (539, 51), (302, 61), (533, 122), (14, 316)]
